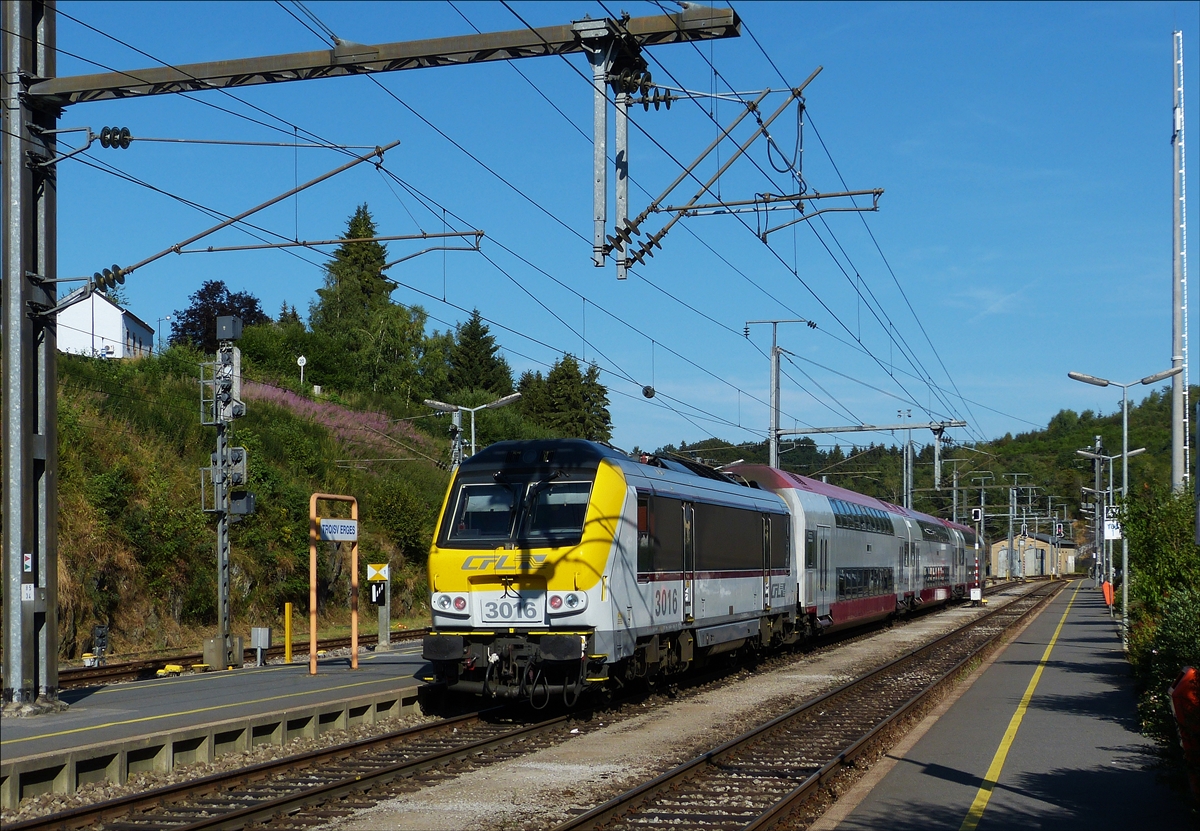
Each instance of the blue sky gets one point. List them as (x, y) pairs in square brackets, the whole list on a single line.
[(1024, 151)]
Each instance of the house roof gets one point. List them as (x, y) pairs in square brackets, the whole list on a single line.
[(110, 302)]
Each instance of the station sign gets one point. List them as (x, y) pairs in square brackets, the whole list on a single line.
[(1112, 524), (339, 530), (378, 571)]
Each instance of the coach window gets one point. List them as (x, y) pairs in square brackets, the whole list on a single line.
[(645, 550)]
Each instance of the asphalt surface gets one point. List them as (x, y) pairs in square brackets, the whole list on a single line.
[(1076, 760), (121, 711)]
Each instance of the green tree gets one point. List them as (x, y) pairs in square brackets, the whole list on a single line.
[(361, 340), (567, 401), (197, 324), (474, 364), (354, 282)]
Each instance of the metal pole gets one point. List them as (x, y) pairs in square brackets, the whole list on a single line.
[(1125, 502), (29, 367), (774, 426), (221, 490), (1098, 519), (1179, 470), (598, 56), (473, 409), (954, 511), (1012, 515), (456, 444), (622, 173)]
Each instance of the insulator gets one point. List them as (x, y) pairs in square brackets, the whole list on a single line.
[(124, 138), (646, 103), (657, 100), (105, 137), (648, 391), (117, 274), (667, 99), (98, 280)]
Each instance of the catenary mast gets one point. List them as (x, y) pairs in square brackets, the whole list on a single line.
[(1179, 334)]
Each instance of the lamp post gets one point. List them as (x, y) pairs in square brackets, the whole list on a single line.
[(458, 408), (1102, 382), (158, 331)]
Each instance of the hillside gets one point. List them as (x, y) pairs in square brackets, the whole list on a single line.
[(137, 553)]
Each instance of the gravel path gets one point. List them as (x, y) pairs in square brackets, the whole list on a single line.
[(548, 787)]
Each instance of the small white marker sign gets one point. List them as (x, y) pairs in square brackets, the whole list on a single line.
[(339, 530)]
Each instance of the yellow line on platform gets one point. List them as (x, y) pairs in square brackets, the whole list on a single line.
[(7, 742), (993, 773)]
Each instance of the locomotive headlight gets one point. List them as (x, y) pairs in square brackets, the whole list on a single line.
[(443, 601), (567, 604), (460, 603)]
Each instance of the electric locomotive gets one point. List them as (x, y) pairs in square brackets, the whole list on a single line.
[(560, 565)]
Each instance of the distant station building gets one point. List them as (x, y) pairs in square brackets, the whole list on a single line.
[(1034, 556), (98, 327)]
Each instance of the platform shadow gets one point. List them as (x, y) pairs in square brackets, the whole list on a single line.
[(1061, 800)]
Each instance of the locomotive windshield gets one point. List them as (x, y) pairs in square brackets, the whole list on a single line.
[(484, 512), (534, 513)]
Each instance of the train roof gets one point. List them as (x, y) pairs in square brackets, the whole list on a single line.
[(659, 474), (773, 478), (567, 454)]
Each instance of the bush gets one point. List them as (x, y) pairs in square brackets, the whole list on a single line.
[(1159, 649)]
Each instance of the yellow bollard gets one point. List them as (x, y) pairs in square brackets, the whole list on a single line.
[(287, 633)]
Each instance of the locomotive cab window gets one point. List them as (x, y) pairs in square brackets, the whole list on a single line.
[(484, 512), (557, 511)]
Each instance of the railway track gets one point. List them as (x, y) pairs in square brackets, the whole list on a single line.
[(74, 677), (322, 783), (760, 778)]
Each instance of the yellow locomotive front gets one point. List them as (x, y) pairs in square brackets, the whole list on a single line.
[(518, 570)]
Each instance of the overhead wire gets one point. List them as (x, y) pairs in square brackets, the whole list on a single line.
[(867, 226), (799, 179), (912, 399)]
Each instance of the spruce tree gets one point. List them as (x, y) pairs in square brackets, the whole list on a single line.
[(354, 283), (474, 364)]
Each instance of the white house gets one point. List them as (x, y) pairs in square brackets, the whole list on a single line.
[(98, 327)]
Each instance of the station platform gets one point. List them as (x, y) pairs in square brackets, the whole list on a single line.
[(1046, 737), (111, 731)]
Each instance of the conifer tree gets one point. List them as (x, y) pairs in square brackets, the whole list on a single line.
[(567, 401), (474, 364), (354, 283)]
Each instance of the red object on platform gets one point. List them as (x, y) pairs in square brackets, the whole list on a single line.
[(1185, 704), (1108, 592)]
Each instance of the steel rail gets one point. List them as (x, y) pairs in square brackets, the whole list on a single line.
[(299, 795), (75, 677), (633, 799)]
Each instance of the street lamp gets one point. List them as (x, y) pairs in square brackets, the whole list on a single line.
[(457, 408), (1125, 454), (158, 331)]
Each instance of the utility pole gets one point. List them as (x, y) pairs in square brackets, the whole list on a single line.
[(1179, 299), (34, 98), (220, 403), (29, 368), (773, 429), (1012, 515)]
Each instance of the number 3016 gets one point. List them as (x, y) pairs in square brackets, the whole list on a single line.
[(666, 602)]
